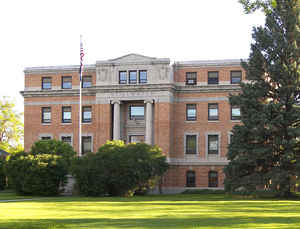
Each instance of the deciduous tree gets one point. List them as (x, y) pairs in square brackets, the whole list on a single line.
[(11, 127)]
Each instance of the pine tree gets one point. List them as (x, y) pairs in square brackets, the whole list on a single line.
[(265, 150)]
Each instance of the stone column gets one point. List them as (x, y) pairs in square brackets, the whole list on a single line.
[(116, 134), (149, 111)]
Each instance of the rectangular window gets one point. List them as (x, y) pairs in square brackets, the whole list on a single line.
[(122, 77), (86, 81), (67, 139), (213, 78), (66, 82), (136, 138), (87, 114), (235, 113), (191, 78), (66, 114), (235, 77), (86, 144), (142, 76), (45, 138), (212, 179), (136, 112), (132, 77), (191, 144), (213, 144), (191, 112), (46, 114), (213, 111), (190, 179), (46, 83)]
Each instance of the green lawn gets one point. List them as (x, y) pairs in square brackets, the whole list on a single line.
[(166, 211)]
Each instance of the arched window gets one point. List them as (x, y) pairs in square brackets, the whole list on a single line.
[(190, 179), (212, 179)]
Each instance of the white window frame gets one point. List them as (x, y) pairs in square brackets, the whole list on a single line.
[(197, 143), (219, 144), (66, 135)]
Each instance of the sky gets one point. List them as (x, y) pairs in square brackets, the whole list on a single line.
[(47, 33)]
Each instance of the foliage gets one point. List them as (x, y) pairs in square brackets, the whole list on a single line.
[(42, 171), (40, 174), (54, 147), (11, 127), (2, 174), (265, 150), (118, 169), (266, 5)]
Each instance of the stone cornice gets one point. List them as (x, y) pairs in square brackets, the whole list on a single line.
[(208, 63), (132, 88), (208, 88), (57, 93), (58, 69)]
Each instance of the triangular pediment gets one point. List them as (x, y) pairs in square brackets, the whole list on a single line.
[(132, 58)]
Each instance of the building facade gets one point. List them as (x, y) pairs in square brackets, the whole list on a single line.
[(183, 108)]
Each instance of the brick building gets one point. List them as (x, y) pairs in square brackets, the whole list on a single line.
[(183, 108)]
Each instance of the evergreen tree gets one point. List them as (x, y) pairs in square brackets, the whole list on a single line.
[(265, 150)]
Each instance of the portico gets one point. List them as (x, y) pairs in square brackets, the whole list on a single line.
[(134, 124)]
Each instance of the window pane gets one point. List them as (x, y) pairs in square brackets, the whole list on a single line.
[(143, 76), (67, 82), (46, 114), (86, 81), (191, 144), (136, 138), (236, 112), (190, 179), (132, 77), (213, 78), (191, 78), (213, 144), (213, 179), (86, 144), (191, 112), (46, 138), (46, 83), (213, 112), (137, 112), (87, 114), (67, 139), (123, 77), (67, 114), (236, 77)]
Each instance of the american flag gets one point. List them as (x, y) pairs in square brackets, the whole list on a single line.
[(81, 57)]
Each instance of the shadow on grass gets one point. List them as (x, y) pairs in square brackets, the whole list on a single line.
[(167, 222)]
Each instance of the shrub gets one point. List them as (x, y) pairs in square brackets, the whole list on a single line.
[(43, 171), (2, 174), (118, 169), (54, 147), (37, 174)]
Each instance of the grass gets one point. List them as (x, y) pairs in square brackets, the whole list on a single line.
[(165, 211)]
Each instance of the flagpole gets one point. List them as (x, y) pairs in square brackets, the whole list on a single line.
[(80, 96)]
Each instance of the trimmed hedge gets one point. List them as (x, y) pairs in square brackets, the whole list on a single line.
[(118, 169)]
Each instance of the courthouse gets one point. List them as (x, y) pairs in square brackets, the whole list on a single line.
[(183, 108)]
